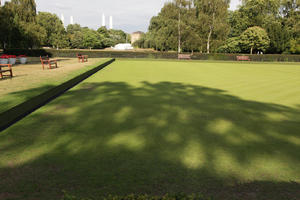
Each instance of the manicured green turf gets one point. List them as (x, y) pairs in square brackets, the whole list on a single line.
[(230, 130)]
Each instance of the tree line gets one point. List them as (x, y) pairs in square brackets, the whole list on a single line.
[(22, 27), (257, 26)]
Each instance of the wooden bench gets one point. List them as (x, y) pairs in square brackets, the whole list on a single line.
[(82, 58), (185, 56), (243, 58), (5, 70), (50, 63)]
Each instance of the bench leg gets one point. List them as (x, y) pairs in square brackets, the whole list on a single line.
[(11, 73)]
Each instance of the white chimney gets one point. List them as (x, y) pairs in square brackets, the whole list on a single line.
[(103, 20), (62, 18), (71, 20), (111, 22)]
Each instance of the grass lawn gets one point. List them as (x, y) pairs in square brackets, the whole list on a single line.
[(227, 130), (30, 80)]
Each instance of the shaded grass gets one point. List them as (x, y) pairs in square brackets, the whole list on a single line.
[(161, 127)]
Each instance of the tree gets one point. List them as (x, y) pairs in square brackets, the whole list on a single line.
[(21, 29), (91, 39), (7, 26), (290, 10), (56, 33), (255, 38), (278, 34), (84, 38), (24, 10), (117, 36), (164, 28), (211, 13), (232, 45)]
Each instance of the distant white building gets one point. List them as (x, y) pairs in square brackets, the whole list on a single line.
[(123, 46), (136, 36)]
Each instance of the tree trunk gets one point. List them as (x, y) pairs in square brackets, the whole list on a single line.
[(211, 27), (208, 40), (179, 33), (251, 50)]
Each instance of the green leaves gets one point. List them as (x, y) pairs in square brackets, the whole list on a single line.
[(255, 39), (56, 34)]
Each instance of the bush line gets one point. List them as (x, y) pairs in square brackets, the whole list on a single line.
[(67, 196), (11, 116), (151, 55)]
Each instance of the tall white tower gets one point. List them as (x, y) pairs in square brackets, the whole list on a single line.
[(103, 20), (111, 22), (71, 20), (62, 18)]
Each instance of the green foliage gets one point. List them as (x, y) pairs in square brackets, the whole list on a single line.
[(190, 25), (163, 29), (232, 45), (152, 55), (67, 196), (278, 34), (85, 38), (56, 34), (182, 25), (18, 25), (295, 46), (255, 39), (281, 20)]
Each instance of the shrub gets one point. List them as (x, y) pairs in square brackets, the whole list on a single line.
[(151, 55), (142, 197)]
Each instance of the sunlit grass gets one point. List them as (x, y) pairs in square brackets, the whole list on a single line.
[(223, 129)]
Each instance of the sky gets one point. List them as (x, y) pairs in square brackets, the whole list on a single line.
[(128, 15)]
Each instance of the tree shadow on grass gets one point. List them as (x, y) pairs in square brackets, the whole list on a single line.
[(156, 138), (12, 99)]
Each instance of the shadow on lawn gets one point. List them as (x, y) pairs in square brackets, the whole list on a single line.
[(14, 98), (113, 138)]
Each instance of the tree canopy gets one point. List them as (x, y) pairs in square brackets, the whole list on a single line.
[(22, 27), (207, 26)]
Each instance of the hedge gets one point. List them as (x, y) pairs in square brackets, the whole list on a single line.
[(67, 196), (20, 111), (151, 55)]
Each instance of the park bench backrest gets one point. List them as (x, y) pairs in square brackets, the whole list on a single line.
[(184, 56), (243, 58)]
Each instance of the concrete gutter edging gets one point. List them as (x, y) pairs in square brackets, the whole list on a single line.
[(13, 115)]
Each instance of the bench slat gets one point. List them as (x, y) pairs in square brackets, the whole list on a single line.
[(243, 58), (184, 56)]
